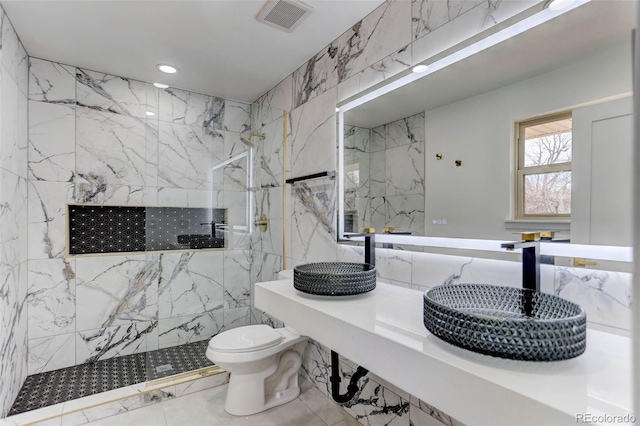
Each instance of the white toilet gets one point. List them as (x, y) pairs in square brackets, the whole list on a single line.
[(263, 363)]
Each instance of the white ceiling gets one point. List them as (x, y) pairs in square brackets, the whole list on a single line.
[(218, 45)]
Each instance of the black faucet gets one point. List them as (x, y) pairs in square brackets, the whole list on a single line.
[(369, 247), (531, 260)]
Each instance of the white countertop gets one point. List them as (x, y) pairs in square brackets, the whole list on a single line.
[(383, 331)]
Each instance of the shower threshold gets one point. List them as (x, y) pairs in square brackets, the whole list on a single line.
[(154, 367)]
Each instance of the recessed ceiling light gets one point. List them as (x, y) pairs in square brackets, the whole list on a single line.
[(161, 85), (167, 68), (151, 113), (420, 68), (559, 4)]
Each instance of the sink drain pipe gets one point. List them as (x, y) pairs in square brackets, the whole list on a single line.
[(335, 379)]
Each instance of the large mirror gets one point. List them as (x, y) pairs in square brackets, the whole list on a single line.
[(534, 132)]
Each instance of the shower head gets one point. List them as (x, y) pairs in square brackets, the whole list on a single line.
[(246, 141)]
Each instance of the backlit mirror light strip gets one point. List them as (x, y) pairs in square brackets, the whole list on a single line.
[(491, 40)]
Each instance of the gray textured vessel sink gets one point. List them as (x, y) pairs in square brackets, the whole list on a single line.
[(506, 322), (334, 278)]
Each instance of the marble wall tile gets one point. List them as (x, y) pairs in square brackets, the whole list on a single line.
[(110, 151), (153, 101), (109, 342), (91, 191), (265, 266), (151, 152), (236, 317), (405, 213), (190, 283), (179, 197), (394, 267), (268, 156), (51, 82), (404, 170), (378, 174), (110, 93), (14, 57), (52, 142), (430, 270), (427, 15), (313, 227), (13, 226), (423, 414), (47, 216), (51, 298), (268, 201), (186, 155), (259, 317), (237, 117), (606, 296), (389, 66), (237, 278), (270, 106), (384, 30), (406, 131), (484, 15), (375, 404), (192, 109), (313, 136), (116, 290), (316, 76), (235, 175), (13, 150), (189, 328), (51, 353)]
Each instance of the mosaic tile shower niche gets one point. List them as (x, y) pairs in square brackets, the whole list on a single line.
[(124, 229)]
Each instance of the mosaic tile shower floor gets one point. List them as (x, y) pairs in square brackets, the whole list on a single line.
[(53, 387)]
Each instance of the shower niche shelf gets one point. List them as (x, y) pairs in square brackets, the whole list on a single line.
[(98, 229)]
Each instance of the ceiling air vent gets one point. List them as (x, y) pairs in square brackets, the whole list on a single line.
[(284, 14)]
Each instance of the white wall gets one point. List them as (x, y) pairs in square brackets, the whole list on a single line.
[(477, 198)]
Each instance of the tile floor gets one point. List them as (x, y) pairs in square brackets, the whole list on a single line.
[(311, 408)]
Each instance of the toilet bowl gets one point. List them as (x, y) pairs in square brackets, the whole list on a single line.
[(263, 363)]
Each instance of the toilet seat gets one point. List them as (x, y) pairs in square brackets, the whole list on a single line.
[(246, 339)]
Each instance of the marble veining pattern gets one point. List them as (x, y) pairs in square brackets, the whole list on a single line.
[(189, 328), (186, 155), (606, 296), (13, 150), (51, 353), (429, 15), (272, 104), (268, 156), (316, 76), (109, 342), (192, 109), (190, 283), (116, 290), (109, 93), (382, 31), (51, 142), (110, 150), (312, 142), (313, 221), (47, 215), (237, 278), (51, 297), (237, 117), (51, 82), (396, 62)]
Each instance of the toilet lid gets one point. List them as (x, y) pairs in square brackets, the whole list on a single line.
[(246, 339)]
